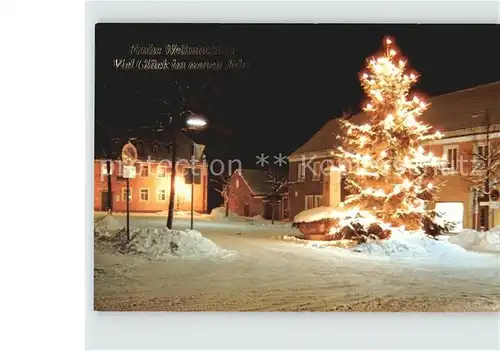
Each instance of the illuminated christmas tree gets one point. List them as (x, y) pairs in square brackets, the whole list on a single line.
[(388, 173)]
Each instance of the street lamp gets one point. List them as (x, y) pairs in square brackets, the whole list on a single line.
[(194, 122)]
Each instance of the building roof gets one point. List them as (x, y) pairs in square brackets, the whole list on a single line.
[(458, 110), (257, 180), (157, 147)]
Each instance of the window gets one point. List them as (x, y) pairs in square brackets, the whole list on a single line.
[(480, 155), (104, 168), (143, 170), (124, 194), (188, 175), (313, 201), (309, 201), (316, 170), (161, 195), (161, 171), (237, 183), (318, 200), (451, 154), (301, 174), (482, 150), (144, 195)]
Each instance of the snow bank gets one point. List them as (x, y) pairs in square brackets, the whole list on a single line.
[(106, 226), (220, 213), (479, 241), (314, 214), (409, 244), (164, 243)]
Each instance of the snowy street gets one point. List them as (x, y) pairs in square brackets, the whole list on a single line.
[(265, 273)]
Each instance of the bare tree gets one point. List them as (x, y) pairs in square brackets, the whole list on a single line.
[(224, 189), (485, 170), (279, 186)]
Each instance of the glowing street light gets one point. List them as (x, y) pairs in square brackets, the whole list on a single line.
[(196, 121)]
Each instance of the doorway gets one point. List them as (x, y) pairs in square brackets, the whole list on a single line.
[(104, 200), (484, 217)]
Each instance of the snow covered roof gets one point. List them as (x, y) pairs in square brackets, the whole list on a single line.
[(454, 111), (257, 180)]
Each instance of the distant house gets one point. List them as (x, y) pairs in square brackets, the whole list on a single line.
[(459, 115), (150, 189), (249, 191)]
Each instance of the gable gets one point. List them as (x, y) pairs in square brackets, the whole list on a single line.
[(450, 112)]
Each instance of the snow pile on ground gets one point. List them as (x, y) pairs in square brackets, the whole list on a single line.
[(479, 241), (409, 244), (220, 213), (291, 238), (164, 243), (106, 226)]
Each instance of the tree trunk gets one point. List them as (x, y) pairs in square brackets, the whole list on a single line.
[(110, 195), (171, 201), (273, 207), (226, 205)]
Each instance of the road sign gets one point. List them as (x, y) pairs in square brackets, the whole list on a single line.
[(129, 154), (129, 172)]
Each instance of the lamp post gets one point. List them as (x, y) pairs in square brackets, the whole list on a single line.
[(194, 122), (129, 158)]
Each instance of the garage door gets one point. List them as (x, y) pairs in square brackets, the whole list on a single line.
[(452, 211)]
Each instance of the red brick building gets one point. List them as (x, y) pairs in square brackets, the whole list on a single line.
[(249, 190), (460, 116), (150, 190)]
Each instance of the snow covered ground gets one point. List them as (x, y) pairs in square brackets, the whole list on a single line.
[(268, 273)]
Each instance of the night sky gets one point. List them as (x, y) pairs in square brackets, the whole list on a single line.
[(299, 77)]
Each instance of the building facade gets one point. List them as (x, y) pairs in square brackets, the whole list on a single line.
[(466, 118), (249, 191), (150, 189)]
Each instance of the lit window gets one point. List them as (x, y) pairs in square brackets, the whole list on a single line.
[(316, 170), (301, 174), (161, 171), (144, 194), (309, 202), (318, 200), (237, 183), (451, 154), (161, 195), (143, 170), (313, 201), (480, 155), (124, 194), (104, 168)]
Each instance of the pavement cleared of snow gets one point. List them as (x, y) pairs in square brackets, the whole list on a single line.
[(266, 274), (219, 214)]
